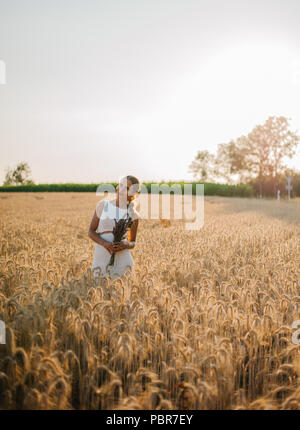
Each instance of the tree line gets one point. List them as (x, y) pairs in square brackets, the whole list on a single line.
[(257, 159)]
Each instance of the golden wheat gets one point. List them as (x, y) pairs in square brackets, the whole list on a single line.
[(204, 321)]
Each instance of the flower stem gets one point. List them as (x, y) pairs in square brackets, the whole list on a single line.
[(112, 259)]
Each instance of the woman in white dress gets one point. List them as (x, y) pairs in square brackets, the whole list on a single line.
[(101, 230)]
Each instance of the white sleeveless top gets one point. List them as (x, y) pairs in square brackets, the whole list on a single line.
[(111, 212)]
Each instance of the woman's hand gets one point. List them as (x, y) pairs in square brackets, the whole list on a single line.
[(119, 246), (109, 247)]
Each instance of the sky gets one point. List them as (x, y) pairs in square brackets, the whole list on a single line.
[(93, 90)]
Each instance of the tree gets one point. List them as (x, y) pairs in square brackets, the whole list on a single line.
[(257, 154), (260, 154), (18, 176), (230, 160), (227, 162), (203, 165), (283, 143)]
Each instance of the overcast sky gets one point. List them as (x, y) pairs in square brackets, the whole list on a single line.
[(95, 90)]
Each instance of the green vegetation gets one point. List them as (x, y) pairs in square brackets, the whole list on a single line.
[(209, 189)]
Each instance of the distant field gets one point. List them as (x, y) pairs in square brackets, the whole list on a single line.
[(204, 322), (146, 187)]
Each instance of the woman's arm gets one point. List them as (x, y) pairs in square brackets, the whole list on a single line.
[(92, 234), (92, 231), (133, 231)]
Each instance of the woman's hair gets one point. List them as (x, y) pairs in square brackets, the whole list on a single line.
[(136, 186)]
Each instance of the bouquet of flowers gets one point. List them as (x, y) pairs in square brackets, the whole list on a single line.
[(119, 232)]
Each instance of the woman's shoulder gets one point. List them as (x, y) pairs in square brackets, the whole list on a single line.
[(132, 211), (100, 206)]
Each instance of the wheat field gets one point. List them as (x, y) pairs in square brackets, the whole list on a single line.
[(204, 321)]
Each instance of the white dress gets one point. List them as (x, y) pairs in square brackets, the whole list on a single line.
[(107, 212)]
